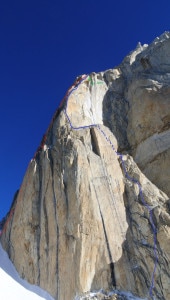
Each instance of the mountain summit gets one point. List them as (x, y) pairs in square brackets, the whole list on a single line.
[(93, 210)]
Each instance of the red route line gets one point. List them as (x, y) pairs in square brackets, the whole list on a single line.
[(43, 141), (11, 212), (69, 91), (44, 138), (7, 221)]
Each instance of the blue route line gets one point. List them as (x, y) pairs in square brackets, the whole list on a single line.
[(145, 204), (127, 176)]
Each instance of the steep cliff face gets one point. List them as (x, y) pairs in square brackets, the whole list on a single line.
[(93, 210)]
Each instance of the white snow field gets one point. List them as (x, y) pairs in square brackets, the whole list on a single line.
[(13, 287)]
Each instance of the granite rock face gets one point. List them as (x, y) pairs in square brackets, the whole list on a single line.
[(93, 211)]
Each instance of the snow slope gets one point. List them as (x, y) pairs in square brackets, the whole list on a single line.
[(15, 288)]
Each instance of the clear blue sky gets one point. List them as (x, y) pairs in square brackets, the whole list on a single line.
[(44, 45)]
